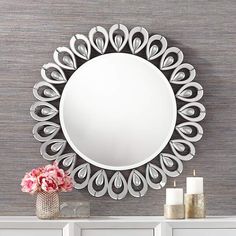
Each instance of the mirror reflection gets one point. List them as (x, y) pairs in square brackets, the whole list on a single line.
[(118, 111)]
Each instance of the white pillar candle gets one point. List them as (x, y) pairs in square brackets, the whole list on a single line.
[(174, 196), (194, 185)]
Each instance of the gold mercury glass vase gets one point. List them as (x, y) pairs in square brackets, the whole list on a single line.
[(47, 205)]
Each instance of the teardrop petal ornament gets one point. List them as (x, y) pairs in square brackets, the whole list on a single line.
[(45, 130), (80, 49), (168, 62), (118, 41), (68, 161), (99, 44), (186, 129), (167, 160), (179, 77), (100, 178), (153, 52), (185, 93), (137, 185), (136, 180), (118, 183), (45, 92), (118, 180), (136, 44), (188, 111), (152, 173), (52, 149), (65, 58), (83, 172), (53, 74), (179, 145), (42, 111)]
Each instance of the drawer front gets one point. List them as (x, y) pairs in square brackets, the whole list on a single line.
[(30, 232), (117, 232), (204, 232)]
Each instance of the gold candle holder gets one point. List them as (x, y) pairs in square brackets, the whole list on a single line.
[(174, 211), (194, 206)]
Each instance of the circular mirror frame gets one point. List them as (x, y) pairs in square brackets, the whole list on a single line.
[(189, 111)]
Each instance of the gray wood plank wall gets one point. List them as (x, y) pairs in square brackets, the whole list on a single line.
[(204, 30)]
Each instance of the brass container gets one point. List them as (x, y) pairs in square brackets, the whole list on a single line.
[(194, 206), (174, 211)]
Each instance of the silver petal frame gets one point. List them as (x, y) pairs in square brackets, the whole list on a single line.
[(190, 111)]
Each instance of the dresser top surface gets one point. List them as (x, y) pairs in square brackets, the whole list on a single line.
[(117, 219)]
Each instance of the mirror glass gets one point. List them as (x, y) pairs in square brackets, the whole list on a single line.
[(118, 111)]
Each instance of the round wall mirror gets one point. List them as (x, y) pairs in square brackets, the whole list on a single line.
[(119, 110)]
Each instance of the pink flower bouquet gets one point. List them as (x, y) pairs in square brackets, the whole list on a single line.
[(46, 179)]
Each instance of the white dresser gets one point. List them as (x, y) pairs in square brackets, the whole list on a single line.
[(118, 226)]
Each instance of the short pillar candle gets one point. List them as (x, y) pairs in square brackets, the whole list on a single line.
[(174, 207), (174, 196)]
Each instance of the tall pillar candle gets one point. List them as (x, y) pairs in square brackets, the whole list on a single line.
[(194, 198), (194, 185)]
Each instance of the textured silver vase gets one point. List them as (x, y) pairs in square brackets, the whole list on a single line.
[(47, 205)]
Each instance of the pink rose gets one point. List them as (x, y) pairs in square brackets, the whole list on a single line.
[(29, 184), (56, 173), (36, 172), (60, 176), (47, 183), (67, 186)]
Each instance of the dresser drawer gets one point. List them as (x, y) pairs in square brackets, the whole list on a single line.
[(30, 232), (117, 232), (204, 232)]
